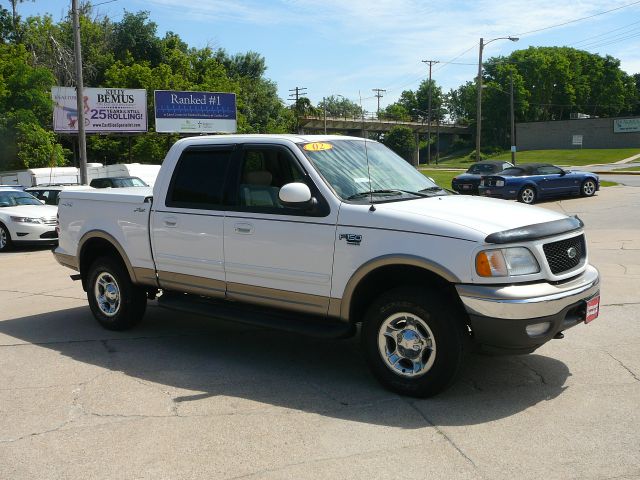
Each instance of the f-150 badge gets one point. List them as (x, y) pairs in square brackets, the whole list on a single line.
[(351, 238)]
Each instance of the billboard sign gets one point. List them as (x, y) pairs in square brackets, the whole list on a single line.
[(624, 125), (195, 112), (106, 110)]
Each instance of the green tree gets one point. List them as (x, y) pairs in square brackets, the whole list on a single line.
[(395, 111), (401, 140), (37, 147), (339, 106)]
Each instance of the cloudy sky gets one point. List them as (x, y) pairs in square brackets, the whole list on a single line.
[(349, 47)]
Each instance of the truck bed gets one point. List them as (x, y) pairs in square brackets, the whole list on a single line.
[(122, 212)]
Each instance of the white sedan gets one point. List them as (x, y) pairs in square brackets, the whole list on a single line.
[(25, 220)]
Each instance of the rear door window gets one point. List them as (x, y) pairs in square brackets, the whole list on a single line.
[(199, 179)]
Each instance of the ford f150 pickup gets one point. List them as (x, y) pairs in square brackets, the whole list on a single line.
[(319, 234)]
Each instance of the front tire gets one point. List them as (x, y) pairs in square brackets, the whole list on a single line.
[(588, 188), (413, 341), (115, 301), (527, 195), (5, 239)]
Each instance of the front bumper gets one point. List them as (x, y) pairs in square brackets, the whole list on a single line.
[(32, 233), (499, 314)]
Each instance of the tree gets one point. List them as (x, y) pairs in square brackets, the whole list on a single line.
[(395, 111), (135, 39), (401, 140), (37, 147), (339, 107)]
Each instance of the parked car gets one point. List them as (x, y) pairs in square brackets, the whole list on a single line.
[(531, 182), (25, 220), (469, 181), (117, 182), (321, 233), (50, 194)]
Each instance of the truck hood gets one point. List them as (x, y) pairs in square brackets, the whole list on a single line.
[(462, 216), (34, 211)]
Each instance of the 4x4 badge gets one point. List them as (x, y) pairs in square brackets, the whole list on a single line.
[(351, 238)]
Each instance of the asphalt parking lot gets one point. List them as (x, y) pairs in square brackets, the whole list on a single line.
[(186, 397)]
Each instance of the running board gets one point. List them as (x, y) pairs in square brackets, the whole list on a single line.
[(311, 325)]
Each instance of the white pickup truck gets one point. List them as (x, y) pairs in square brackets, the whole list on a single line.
[(319, 234)]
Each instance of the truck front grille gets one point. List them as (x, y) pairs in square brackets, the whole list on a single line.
[(565, 254)]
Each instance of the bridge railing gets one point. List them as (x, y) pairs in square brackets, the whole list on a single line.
[(371, 117)]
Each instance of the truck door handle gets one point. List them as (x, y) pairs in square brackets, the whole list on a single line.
[(170, 222), (243, 228)]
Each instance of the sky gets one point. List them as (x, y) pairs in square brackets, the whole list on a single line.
[(349, 47)]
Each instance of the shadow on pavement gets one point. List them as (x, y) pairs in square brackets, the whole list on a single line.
[(195, 360)]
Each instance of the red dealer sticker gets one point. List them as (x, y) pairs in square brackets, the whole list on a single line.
[(593, 309)]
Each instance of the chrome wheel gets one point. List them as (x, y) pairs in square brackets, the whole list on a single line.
[(407, 345), (107, 294), (588, 188), (528, 195)]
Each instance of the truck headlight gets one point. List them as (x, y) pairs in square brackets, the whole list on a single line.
[(26, 220), (504, 262)]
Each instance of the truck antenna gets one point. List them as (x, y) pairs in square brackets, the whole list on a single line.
[(372, 208)]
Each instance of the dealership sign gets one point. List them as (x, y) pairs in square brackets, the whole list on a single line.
[(105, 110), (623, 125), (195, 112)]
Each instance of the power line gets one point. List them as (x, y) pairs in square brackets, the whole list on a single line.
[(577, 19)]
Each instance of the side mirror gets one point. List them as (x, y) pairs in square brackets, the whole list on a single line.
[(295, 195), (42, 201), (562, 172)]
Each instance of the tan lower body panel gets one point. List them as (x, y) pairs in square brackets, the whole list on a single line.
[(269, 297), (145, 276), (191, 284)]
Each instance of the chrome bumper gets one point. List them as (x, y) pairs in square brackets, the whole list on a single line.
[(528, 301)]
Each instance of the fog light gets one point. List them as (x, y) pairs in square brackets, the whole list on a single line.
[(536, 329)]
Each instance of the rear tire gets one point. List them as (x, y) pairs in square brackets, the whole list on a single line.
[(414, 341), (588, 188), (527, 195), (5, 239), (115, 301)]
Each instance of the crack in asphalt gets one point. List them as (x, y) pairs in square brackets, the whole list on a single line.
[(635, 377), (443, 434), (32, 294), (319, 460), (530, 368), (100, 340)]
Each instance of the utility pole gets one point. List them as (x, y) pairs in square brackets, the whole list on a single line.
[(298, 91), (479, 87), (431, 63), (513, 124), (82, 139), (378, 95)]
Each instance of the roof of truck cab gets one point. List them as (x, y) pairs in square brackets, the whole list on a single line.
[(239, 138)]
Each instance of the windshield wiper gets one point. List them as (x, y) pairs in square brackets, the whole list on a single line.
[(374, 192)]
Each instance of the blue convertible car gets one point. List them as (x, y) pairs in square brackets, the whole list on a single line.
[(534, 181)]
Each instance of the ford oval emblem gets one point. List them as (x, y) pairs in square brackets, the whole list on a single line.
[(572, 252)]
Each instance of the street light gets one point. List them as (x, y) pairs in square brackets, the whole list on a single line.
[(479, 84)]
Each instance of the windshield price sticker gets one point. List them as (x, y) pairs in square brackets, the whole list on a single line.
[(317, 146)]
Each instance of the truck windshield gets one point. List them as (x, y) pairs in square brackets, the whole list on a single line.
[(343, 165)]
